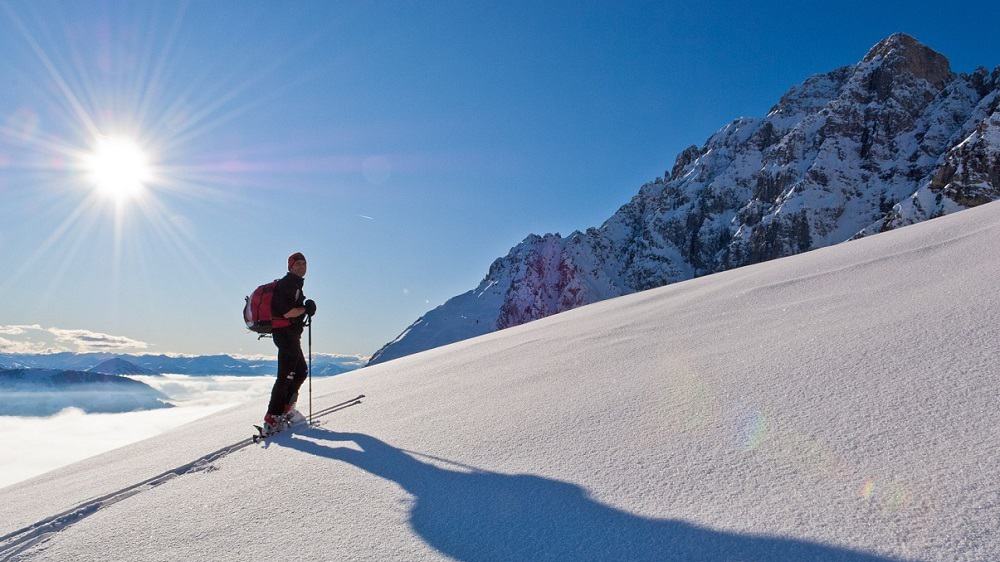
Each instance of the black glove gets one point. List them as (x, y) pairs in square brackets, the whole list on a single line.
[(310, 307)]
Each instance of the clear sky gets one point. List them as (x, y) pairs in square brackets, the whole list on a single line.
[(401, 146)]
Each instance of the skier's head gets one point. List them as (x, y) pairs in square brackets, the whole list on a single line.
[(297, 264)]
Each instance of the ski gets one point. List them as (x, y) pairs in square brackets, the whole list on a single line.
[(335, 407), (261, 435)]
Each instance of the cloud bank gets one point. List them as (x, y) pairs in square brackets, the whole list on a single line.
[(85, 340), (45, 444), (18, 329), (25, 338)]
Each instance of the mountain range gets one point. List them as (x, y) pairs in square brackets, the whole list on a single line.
[(896, 139), (323, 364)]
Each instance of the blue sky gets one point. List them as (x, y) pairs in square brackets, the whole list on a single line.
[(401, 146)]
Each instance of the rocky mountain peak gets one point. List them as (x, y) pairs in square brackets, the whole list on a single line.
[(901, 53), (895, 139)]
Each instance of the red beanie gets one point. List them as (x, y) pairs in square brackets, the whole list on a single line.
[(294, 258)]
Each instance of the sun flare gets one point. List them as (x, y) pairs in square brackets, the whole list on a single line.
[(118, 167)]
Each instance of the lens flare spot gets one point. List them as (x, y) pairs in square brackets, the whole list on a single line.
[(866, 489), (754, 431), (23, 124), (899, 498)]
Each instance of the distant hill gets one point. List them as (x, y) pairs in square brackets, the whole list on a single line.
[(118, 366), (43, 392)]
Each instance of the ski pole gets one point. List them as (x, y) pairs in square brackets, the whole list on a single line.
[(310, 370)]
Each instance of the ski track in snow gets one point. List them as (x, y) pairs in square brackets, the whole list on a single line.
[(22, 539)]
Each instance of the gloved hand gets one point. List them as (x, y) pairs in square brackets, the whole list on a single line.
[(310, 307)]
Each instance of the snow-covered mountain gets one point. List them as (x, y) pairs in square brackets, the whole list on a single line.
[(834, 405), (892, 140)]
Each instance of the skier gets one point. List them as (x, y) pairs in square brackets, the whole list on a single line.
[(289, 309)]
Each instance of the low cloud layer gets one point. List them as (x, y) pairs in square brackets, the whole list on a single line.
[(45, 444)]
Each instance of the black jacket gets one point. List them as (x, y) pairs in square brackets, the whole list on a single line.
[(288, 295)]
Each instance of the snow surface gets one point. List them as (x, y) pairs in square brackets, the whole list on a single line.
[(836, 405)]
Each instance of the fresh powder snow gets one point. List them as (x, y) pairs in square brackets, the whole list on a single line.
[(839, 404)]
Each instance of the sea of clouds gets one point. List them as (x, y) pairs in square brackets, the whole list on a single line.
[(35, 445)]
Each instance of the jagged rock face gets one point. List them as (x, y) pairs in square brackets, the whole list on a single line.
[(902, 55), (895, 139), (967, 173)]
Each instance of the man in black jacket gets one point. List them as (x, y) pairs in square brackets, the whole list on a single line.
[(289, 309)]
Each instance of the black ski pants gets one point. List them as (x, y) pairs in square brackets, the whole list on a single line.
[(292, 369)]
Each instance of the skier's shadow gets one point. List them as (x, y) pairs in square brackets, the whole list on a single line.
[(478, 515)]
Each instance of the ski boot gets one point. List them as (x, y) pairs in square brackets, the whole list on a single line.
[(291, 414), (273, 424)]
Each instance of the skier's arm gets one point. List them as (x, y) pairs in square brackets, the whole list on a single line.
[(297, 311), (283, 303)]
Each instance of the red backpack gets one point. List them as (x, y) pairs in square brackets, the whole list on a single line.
[(257, 311)]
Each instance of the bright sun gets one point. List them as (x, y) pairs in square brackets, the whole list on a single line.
[(118, 167)]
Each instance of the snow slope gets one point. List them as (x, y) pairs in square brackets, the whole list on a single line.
[(836, 405)]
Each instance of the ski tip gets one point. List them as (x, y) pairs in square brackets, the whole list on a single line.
[(259, 436)]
